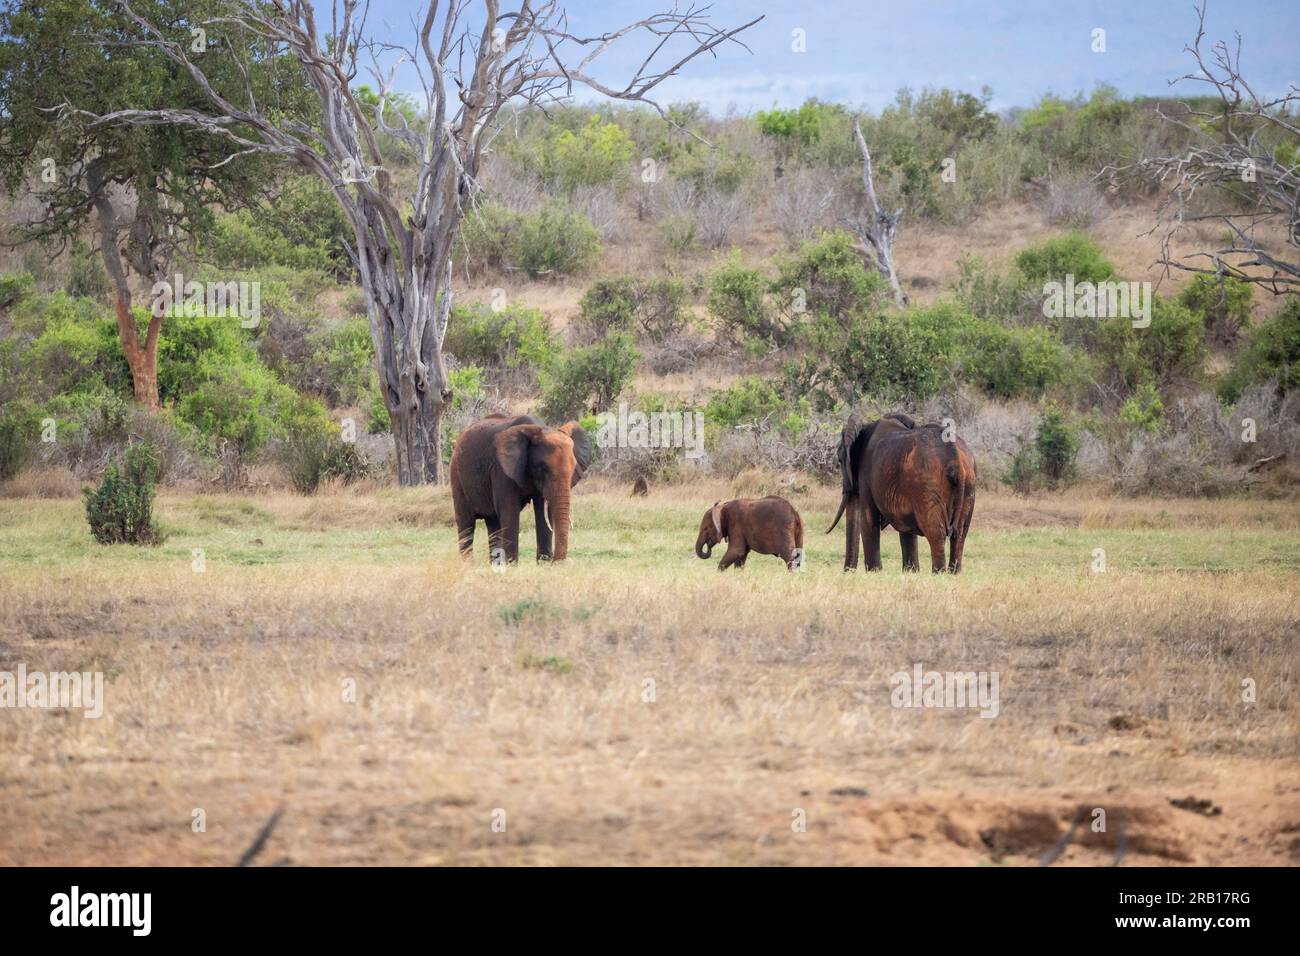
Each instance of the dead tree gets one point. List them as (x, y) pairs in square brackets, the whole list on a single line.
[(470, 64), (1237, 169), (876, 230)]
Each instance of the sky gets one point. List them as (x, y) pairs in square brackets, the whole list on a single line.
[(861, 53)]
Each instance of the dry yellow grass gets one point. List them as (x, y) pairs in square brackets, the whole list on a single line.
[(526, 691)]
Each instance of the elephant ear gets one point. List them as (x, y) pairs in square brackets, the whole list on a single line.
[(512, 447), (581, 448), (853, 428), (716, 512)]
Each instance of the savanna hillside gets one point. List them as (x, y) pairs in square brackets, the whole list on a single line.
[(614, 257)]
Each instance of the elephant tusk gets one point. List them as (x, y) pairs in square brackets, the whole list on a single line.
[(546, 516)]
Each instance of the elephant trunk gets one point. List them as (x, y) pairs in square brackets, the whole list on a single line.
[(703, 548), (558, 507)]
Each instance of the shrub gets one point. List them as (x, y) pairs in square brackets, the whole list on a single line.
[(234, 407), (737, 302), (342, 361), (512, 338), (14, 288), (553, 240), (833, 281), (1172, 347), (1049, 458), (587, 379), (1071, 254), (18, 430), (654, 309), (1272, 353), (86, 277), (1073, 200), (486, 235), (754, 401), (1222, 302), (120, 510), (892, 356), (313, 450), (1007, 362), (596, 155), (1144, 409)]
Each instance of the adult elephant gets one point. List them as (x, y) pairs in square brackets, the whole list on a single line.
[(501, 464), (915, 478)]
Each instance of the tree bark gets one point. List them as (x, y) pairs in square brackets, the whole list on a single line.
[(141, 357)]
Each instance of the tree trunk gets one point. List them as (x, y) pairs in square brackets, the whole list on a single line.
[(141, 358), (416, 391)]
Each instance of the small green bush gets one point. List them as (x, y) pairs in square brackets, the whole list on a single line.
[(596, 155), (587, 379), (1222, 302), (120, 510), (553, 240), (514, 337), (827, 278), (1048, 458), (14, 288), (19, 426), (1071, 254), (737, 302), (654, 309), (1271, 353), (754, 401)]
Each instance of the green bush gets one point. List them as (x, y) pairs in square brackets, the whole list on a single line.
[(86, 276), (1048, 458), (1271, 353), (654, 308), (552, 240), (513, 338), (893, 356), (1007, 362), (596, 155), (587, 379), (342, 361), (737, 302), (1144, 409), (313, 450), (234, 405), (486, 235), (120, 510), (753, 401), (1071, 254), (827, 278), (1172, 347), (1222, 302), (14, 288), (19, 426)]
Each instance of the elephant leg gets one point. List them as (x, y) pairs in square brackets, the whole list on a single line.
[(494, 536), (959, 539), (911, 559), (851, 535), (464, 527), (871, 538), (735, 556), (543, 532), (936, 538)]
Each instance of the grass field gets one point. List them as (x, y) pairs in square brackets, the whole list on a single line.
[(634, 705)]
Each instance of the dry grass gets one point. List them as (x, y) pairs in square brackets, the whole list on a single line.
[(525, 690)]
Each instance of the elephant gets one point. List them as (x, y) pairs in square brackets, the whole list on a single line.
[(767, 525), (499, 465), (911, 477)]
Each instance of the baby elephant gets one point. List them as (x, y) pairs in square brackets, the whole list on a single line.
[(767, 525)]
